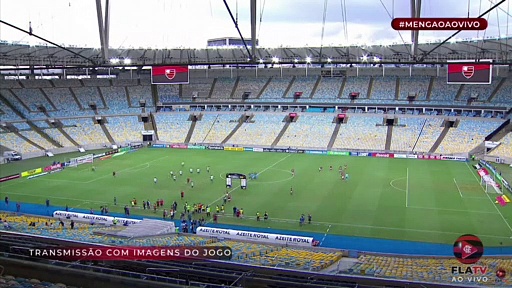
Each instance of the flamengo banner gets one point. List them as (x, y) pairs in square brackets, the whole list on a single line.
[(255, 236), (169, 75), (52, 167), (31, 172), (97, 219), (132, 253), (472, 73), (10, 177), (383, 155)]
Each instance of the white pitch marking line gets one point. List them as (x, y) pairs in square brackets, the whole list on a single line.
[(393, 181), (407, 189), (370, 226), (489, 197), (325, 235), (284, 158), (458, 188)]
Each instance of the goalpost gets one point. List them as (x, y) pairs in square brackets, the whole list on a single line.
[(489, 185), (74, 162)]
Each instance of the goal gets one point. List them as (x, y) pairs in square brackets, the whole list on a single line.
[(489, 185), (74, 162)]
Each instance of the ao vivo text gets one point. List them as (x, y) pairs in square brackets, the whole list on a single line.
[(471, 274), (439, 24)]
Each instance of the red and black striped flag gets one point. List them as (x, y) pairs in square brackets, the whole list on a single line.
[(469, 73), (169, 75)]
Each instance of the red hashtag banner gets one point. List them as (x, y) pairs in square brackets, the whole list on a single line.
[(439, 24)]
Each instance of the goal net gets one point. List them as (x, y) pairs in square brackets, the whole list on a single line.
[(490, 186), (74, 162)]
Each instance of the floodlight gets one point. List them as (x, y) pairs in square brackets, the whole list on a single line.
[(114, 60), (329, 60), (261, 61), (364, 58), (275, 59), (376, 59), (127, 61), (308, 59), (296, 60)]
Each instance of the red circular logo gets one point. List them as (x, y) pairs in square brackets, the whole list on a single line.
[(468, 249), (501, 273)]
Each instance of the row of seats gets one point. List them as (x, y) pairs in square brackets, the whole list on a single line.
[(263, 131), (311, 130), (437, 270), (468, 134), (243, 252)]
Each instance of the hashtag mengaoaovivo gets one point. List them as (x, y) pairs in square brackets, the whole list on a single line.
[(439, 24)]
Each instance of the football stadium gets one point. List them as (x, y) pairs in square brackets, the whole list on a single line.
[(246, 163)]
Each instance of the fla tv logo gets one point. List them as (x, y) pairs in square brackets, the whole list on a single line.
[(468, 249)]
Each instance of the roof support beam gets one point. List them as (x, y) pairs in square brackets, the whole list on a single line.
[(415, 13), (104, 27), (253, 30)]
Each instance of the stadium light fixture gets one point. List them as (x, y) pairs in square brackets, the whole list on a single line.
[(127, 61), (376, 59), (308, 59), (364, 58), (261, 61), (329, 60), (296, 60), (275, 60), (114, 60)]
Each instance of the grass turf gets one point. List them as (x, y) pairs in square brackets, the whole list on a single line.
[(403, 199)]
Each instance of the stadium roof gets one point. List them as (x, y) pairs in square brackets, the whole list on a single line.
[(499, 50), (31, 30)]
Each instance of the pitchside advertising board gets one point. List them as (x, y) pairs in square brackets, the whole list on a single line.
[(170, 75), (468, 73)]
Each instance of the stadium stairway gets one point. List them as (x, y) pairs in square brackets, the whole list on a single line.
[(102, 97), (151, 125), (73, 95), (342, 88), (317, 83), (105, 130), (264, 88), (389, 138), (44, 135), (498, 87), (191, 129), (232, 95), (241, 121), (440, 138), (281, 133), (63, 132), (289, 87), (334, 135)]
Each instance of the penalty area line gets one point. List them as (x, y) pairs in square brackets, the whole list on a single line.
[(490, 199), (458, 188)]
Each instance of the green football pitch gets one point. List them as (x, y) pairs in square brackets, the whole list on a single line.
[(403, 199)]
